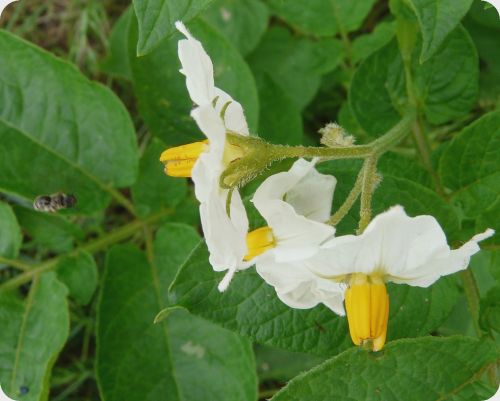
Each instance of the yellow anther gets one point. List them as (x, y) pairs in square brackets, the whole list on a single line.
[(179, 160), (367, 306), (259, 241)]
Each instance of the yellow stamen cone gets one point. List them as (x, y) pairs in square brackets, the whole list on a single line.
[(259, 241), (367, 307), (180, 160)]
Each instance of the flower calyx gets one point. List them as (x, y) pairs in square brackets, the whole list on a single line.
[(244, 158)]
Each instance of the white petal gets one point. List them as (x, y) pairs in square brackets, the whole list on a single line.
[(225, 236), (234, 117), (445, 263), (299, 288), (411, 250), (197, 67), (312, 195), (298, 237), (4, 3), (209, 166), (309, 192)]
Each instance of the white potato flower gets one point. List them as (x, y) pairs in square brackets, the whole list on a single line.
[(216, 114), (295, 205), (394, 247)]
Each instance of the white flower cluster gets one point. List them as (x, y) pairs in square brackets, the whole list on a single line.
[(297, 252)]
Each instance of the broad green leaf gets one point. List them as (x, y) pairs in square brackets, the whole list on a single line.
[(157, 18), (489, 219), (437, 19), (117, 63), (470, 166), (486, 41), (153, 190), (78, 140), (277, 364), (10, 233), (251, 308), (79, 273), (295, 64), (377, 90), (242, 22), (50, 231), (321, 17), (490, 310), (446, 85), (366, 44), (182, 358), (401, 166), (280, 119), (406, 370), (34, 331), (164, 102)]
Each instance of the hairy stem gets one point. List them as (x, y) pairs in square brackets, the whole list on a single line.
[(348, 203), (367, 187)]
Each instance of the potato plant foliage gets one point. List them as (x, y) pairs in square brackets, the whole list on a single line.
[(112, 296)]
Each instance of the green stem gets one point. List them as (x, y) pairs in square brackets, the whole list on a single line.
[(395, 134), (348, 203), (424, 150), (346, 152), (472, 295), (15, 263), (367, 187), (104, 242)]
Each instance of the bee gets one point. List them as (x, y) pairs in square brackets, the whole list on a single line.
[(53, 203)]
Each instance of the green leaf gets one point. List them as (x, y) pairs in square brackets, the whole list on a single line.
[(242, 22), (323, 18), (485, 39), (280, 119), (79, 273), (47, 130), (117, 63), (50, 231), (407, 370), (470, 167), (251, 308), (10, 233), (296, 64), (277, 364), (157, 18), (490, 310), (164, 102), (437, 19), (153, 190), (34, 331), (365, 45), (182, 358), (446, 85), (377, 90), (400, 166)]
